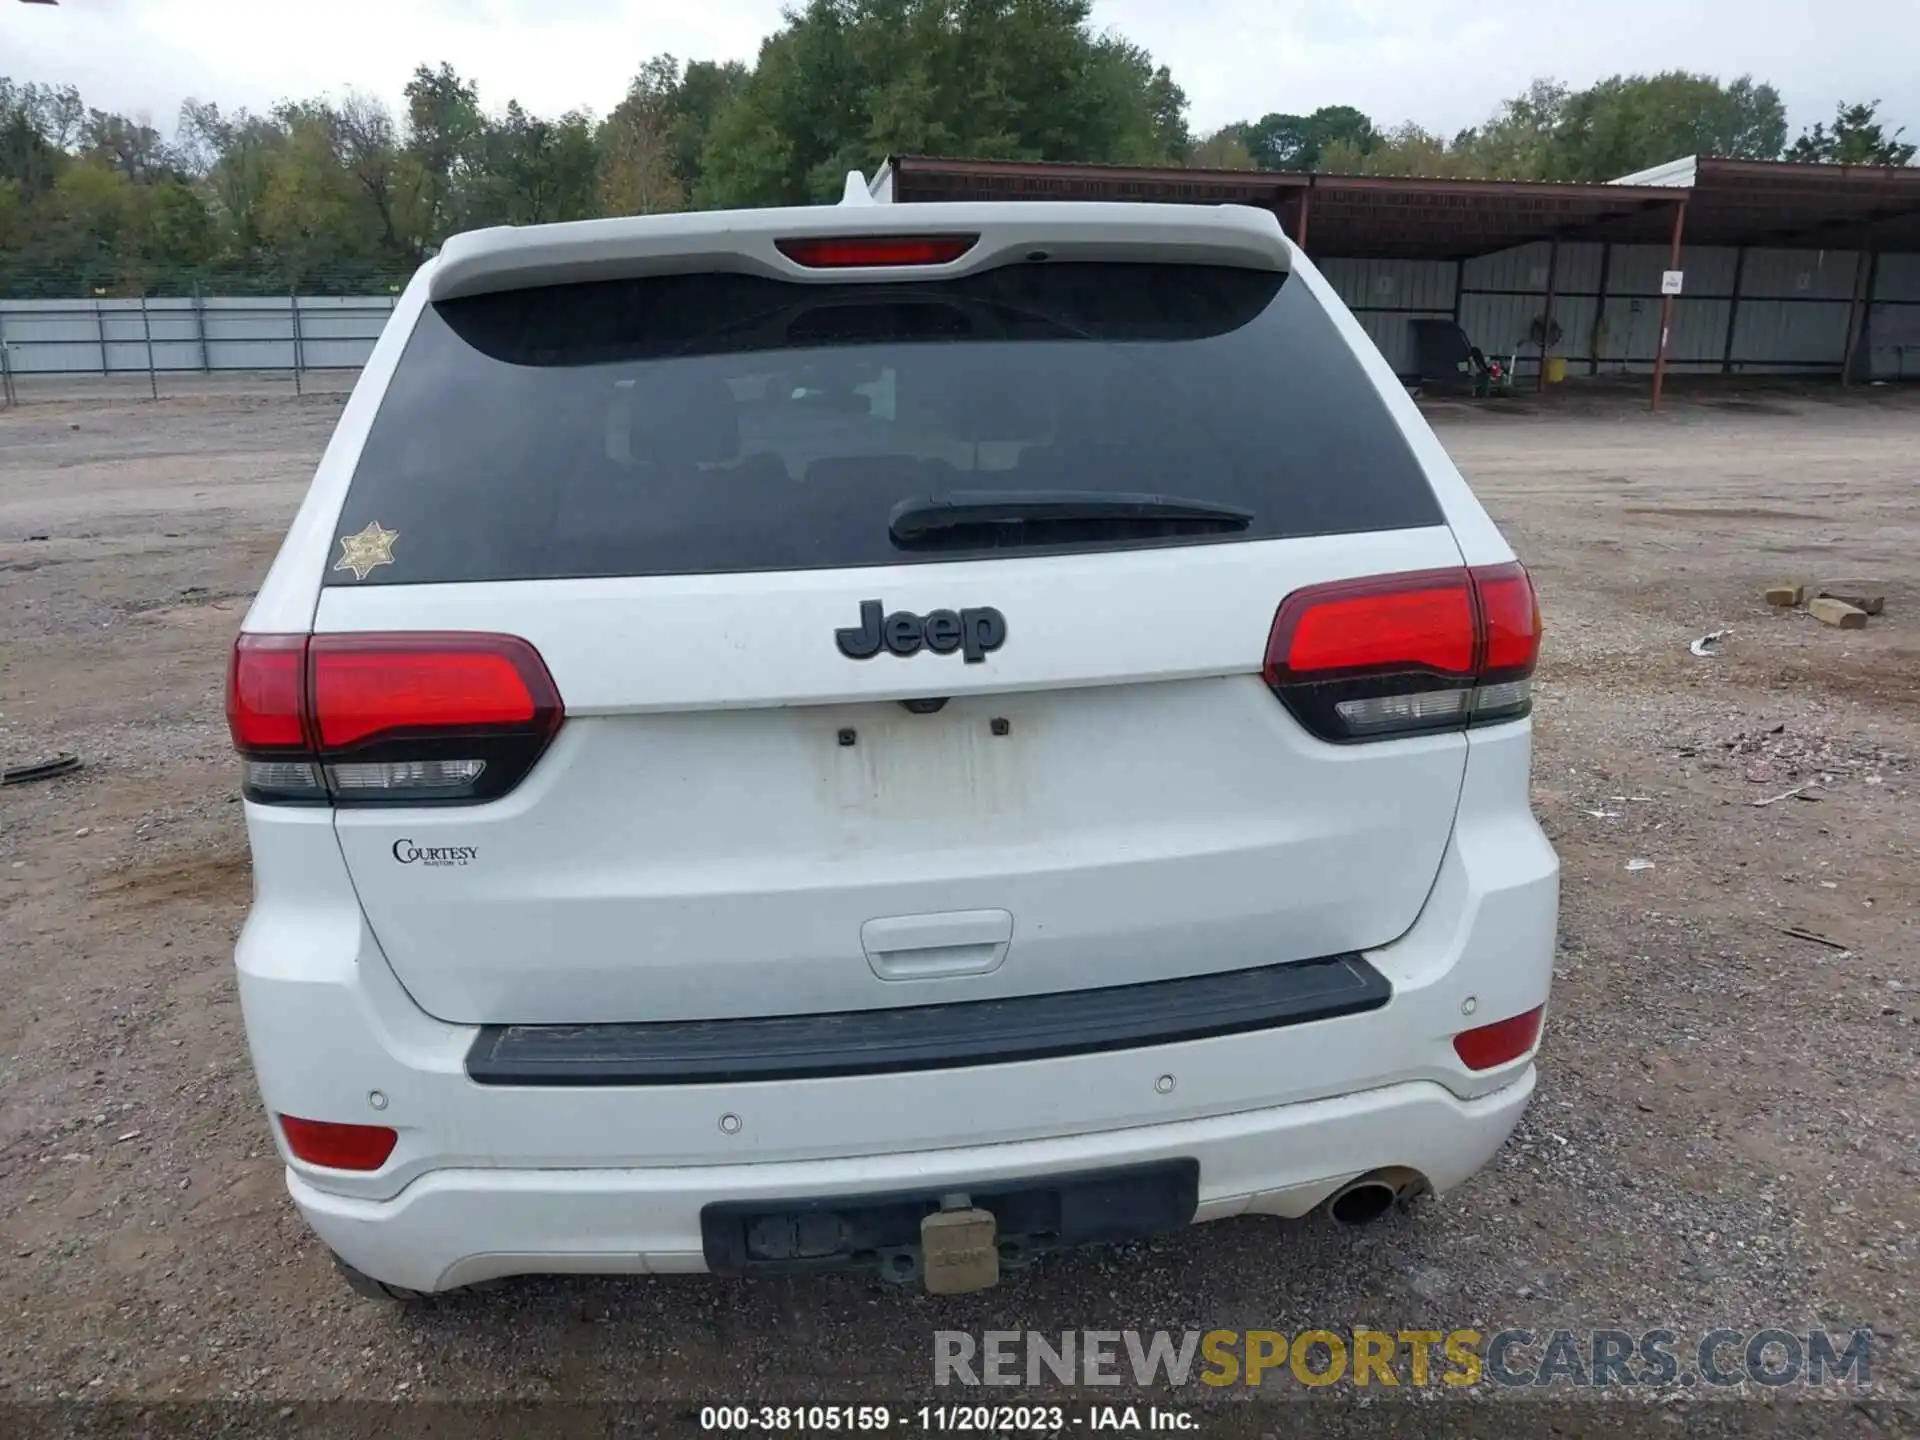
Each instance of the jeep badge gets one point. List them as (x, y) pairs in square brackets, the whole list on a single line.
[(972, 632)]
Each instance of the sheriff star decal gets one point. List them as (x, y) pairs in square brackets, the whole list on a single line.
[(363, 552)]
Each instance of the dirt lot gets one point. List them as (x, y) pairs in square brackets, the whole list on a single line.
[(1727, 1132)]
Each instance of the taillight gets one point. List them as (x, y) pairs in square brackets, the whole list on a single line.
[(1399, 654), (848, 252), (337, 1146), (388, 719), (1486, 1046)]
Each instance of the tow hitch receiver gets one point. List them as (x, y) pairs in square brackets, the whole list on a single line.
[(950, 1241), (959, 1251)]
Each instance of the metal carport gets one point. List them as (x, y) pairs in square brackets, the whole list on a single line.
[(1786, 267)]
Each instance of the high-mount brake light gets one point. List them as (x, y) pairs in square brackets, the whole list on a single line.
[(850, 252), (1400, 654), (388, 718)]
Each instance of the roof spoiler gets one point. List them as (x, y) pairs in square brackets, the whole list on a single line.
[(746, 241)]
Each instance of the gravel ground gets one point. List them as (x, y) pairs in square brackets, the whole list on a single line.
[(1727, 1131)]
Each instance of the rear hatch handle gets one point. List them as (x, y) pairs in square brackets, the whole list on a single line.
[(932, 947), (915, 519)]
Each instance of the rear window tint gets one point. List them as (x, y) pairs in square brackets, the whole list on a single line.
[(709, 423)]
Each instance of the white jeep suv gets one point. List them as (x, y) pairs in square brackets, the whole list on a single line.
[(882, 737)]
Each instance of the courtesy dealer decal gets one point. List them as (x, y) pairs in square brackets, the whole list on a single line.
[(408, 853)]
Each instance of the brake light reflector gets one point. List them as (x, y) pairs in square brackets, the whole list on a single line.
[(265, 683), (1398, 654), (1419, 621), (1510, 612), (388, 718), (1486, 1046), (847, 252), (336, 1146), (366, 686)]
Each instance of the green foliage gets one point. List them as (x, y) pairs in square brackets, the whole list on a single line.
[(444, 125), (1550, 132), (1224, 149), (1404, 150), (1517, 142), (1298, 142), (845, 82), (529, 171), (341, 195), (703, 92), (639, 156), (1631, 122), (1857, 138)]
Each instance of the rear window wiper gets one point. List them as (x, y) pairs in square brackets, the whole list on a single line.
[(917, 519)]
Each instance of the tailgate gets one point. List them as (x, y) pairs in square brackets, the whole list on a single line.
[(737, 820), (813, 761)]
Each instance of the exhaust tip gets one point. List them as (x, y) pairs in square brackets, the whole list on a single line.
[(1366, 1199), (1361, 1202)]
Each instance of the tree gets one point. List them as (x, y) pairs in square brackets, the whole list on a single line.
[(1223, 149), (27, 161), (1147, 109), (444, 126), (13, 221), (1404, 150), (1517, 143), (845, 82), (200, 137), (311, 214), (1297, 142), (244, 147), (638, 173), (365, 143), (132, 147), (1857, 138), (57, 112), (37, 123), (704, 90), (1630, 122), (531, 171)]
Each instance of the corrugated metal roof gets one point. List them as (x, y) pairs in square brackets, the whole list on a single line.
[(1729, 202), (1674, 172)]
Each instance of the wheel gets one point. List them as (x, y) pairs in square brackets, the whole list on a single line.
[(362, 1283)]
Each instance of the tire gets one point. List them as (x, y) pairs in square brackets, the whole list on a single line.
[(362, 1283)]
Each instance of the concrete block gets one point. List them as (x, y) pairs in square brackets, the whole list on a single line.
[(1867, 595), (1830, 611), (1786, 594)]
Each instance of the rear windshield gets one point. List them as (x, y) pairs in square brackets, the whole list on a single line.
[(694, 424)]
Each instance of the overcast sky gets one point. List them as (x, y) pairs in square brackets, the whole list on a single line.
[(1443, 65)]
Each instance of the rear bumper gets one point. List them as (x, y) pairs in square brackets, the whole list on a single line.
[(493, 1179), (459, 1226)]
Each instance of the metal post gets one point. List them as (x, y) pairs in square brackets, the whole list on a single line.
[(100, 329), (1599, 310), (1306, 207), (1666, 301), (293, 307), (146, 333), (200, 329), (1733, 309), (6, 366), (1546, 319), (1863, 279), (1459, 281)]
